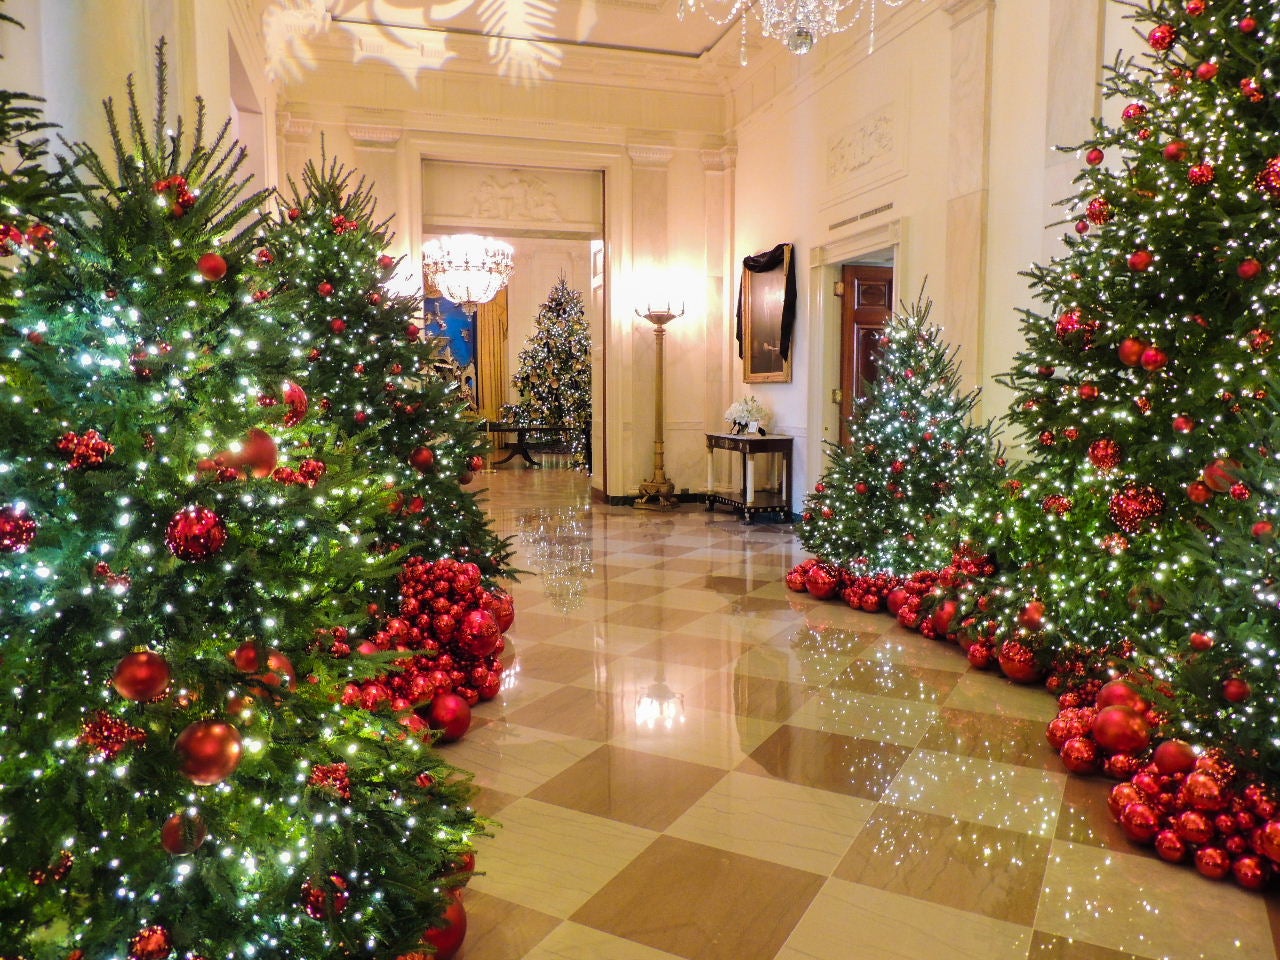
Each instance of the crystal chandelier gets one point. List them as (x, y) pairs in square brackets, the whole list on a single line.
[(798, 24), (467, 269)]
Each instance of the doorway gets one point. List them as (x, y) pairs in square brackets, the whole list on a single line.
[(865, 307)]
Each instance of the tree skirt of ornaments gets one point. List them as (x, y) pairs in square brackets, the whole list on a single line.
[(1190, 806)]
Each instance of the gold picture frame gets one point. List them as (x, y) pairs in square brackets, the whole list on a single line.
[(762, 333)]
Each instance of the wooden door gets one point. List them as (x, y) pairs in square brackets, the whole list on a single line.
[(864, 310)]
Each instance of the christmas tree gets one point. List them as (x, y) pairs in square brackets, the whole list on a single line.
[(554, 379), (887, 501), (368, 368), (177, 777)]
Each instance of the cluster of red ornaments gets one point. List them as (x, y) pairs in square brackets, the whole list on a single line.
[(452, 628), (89, 449), (179, 192), (37, 236), (17, 529)]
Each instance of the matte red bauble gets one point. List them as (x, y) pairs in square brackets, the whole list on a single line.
[(479, 633), (447, 938), (1184, 424), (1170, 847), (386, 261), (1130, 351), (141, 676), (943, 616), (1249, 269), (195, 533), (151, 943), (1262, 530), (324, 288), (1139, 261), (894, 600), (1221, 474), (1032, 615), (1080, 755), (212, 266), (1206, 71), (1094, 157), (209, 750), (1236, 690), (823, 581), (451, 715), (1174, 756), (183, 833), (1175, 151), (1120, 693), (1088, 391), (1153, 358), (1247, 24), (258, 454), (1213, 862), (423, 459), (1140, 822), (1199, 493), (1120, 730)]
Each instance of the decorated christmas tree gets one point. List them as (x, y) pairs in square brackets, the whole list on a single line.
[(368, 368), (554, 379), (181, 549), (887, 501)]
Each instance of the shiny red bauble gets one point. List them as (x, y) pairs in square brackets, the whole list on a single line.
[(1184, 424), (894, 600), (447, 938), (212, 266), (423, 459), (1018, 663), (17, 529), (1153, 358), (1221, 474), (1194, 827), (1123, 794), (1130, 351), (1249, 269), (1202, 791), (479, 633), (1032, 615), (1170, 847), (1105, 453), (1199, 493), (1139, 261), (1080, 755), (1266, 840), (1206, 71), (1176, 151), (943, 616), (1213, 862), (822, 581), (451, 715), (1120, 693), (324, 288), (1140, 822), (1120, 730), (1236, 690), (1088, 391), (1162, 36), (209, 751), (183, 833), (325, 898), (1251, 872), (142, 676), (1174, 756), (1201, 174), (795, 580), (1094, 157)]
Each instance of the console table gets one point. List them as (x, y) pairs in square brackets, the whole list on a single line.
[(748, 499)]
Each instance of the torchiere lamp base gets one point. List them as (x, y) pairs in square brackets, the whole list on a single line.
[(657, 495)]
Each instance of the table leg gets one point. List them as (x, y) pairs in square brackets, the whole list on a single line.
[(711, 480), (749, 481)]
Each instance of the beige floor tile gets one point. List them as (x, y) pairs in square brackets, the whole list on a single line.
[(573, 941), (913, 650), (709, 737), (903, 682), (1045, 946), (848, 921), (812, 666), (515, 759), (1085, 817), (1005, 739), (966, 866), (571, 711), (500, 930), (713, 652), (702, 903), (766, 698), (828, 761), (745, 630), (985, 692), (558, 663), (642, 789), (902, 722), (982, 791), (773, 820), (650, 614), (553, 859), (1135, 903)]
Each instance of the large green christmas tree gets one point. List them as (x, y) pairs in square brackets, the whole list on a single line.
[(177, 538), (887, 502), (554, 379)]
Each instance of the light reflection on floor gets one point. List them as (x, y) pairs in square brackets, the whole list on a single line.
[(690, 761)]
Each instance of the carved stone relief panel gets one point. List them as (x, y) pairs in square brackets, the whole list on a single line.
[(495, 198), (865, 153)]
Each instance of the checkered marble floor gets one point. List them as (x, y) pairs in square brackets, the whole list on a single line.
[(830, 787)]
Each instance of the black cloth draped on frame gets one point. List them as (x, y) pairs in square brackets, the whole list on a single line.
[(779, 256)]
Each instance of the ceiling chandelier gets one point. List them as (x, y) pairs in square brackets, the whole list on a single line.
[(798, 24), (467, 269)]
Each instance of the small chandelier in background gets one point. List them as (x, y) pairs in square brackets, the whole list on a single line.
[(467, 269), (798, 24)]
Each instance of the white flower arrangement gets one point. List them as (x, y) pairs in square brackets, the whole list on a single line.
[(748, 410)]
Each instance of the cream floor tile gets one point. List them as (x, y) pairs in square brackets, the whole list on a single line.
[(1133, 902), (772, 820), (552, 859), (914, 650), (991, 693), (515, 759), (573, 941), (721, 740), (982, 791), (815, 667), (747, 630), (848, 921), (517, 691), (689, 598), (864, 715)]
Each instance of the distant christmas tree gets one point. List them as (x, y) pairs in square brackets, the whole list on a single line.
[(887, 501), (554, 379)]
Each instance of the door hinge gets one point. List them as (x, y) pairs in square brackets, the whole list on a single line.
[(839, 288)]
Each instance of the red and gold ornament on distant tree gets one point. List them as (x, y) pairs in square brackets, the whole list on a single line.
[(195, 534), (1133, 507), (151, 943), (326, 898), (1105, 454)]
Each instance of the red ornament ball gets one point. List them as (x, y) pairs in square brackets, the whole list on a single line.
[(1249, 269), (1213, 862), (1201, 641), (451, 715), (1199, 493), (1119, 693), (1267, 840), (1140, 822), (795, 580), (142, 676), (17, 529), (822, 581), (1153, 358), (1170, 847), (1134, 113), (1201, 174), (1088, 391), (195, 533), (1262, 530), (151, 943), (479, 633), (1202, 791), (1162, 37), (1099, 211), (1175, 152), (1120, 730), (1032, 615), (423, 459), (1268, 179), (1183, 423), (1236, 690), (183, 833), (209, 750), (324, 288), (1174, 756), (325, 899), (1140, 260), (1018, 662), (1195, 8), (1105, 454), (447, 938), (212, 266), (386, 261), (1130, 351), (338, 325), (1094, 157), (1206, 71), (475, 462), (1080, 756), (1251, 872)]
